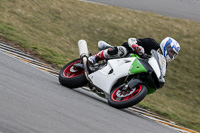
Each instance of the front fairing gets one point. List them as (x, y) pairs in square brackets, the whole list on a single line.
[(155, 70), (162, 66)]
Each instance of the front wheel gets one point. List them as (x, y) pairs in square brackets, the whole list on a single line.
[(123, 99), (72, 77)]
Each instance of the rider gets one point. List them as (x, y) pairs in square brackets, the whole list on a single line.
[(168, 47)]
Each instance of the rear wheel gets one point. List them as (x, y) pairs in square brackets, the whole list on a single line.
[(71, 76), (123, 99)]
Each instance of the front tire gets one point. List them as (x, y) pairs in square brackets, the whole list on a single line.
[(133, 96), (72, 77)]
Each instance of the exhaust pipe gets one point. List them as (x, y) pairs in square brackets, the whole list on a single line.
[(84, 53), (83, 49)]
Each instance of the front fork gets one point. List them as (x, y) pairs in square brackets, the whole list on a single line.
[(130, 84)]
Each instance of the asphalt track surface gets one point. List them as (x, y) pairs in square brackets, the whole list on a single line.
[(185, 9), (33, 101)]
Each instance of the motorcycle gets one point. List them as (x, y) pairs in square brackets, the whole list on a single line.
[(124, 82)]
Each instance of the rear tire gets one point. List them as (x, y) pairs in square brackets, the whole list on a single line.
[(72, 77), (128, 100)]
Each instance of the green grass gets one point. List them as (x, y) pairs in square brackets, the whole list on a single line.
[(52, 29)]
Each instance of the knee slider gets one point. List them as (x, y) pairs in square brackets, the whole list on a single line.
[(113, 51)]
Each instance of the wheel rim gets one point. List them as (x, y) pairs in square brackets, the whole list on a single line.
[(119, 96), (71, 71)]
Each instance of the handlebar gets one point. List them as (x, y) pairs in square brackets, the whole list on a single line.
[(145, 56)]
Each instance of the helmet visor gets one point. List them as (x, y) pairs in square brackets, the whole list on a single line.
[(171, 52)]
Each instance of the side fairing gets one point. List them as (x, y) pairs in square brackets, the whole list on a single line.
[(108, 76)]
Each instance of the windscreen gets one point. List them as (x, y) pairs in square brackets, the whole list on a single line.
[(161, 61)]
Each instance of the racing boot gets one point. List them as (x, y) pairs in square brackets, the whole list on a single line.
[(103, 45), (96, 58)]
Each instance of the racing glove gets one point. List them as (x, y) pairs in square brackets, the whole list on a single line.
[(132, 42)]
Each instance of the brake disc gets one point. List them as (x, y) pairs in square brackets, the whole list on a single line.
[(121, 93)]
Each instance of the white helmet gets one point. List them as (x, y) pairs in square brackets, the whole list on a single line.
[(170, 48)]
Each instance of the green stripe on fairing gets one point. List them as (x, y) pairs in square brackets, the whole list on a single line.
[(135, 55), (137, 67)]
